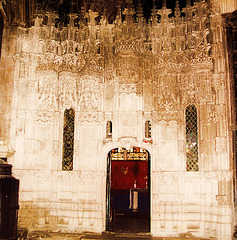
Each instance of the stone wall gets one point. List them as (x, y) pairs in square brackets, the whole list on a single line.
[(126, 72)]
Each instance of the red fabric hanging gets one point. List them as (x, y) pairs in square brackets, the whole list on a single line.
[(124, 173)]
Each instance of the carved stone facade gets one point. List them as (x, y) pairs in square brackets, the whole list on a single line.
[(127, 72)]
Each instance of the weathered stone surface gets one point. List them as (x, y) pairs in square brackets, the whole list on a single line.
[(127, 72)]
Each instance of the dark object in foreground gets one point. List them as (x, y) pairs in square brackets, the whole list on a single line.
[(235, 231), (9, 188)]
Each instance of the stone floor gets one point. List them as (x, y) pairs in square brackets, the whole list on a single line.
[(105, 236), (123, 228)]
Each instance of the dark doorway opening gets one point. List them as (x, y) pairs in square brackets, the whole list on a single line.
[(128, 190)]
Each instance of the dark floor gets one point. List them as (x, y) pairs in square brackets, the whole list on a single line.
[(130, 223)]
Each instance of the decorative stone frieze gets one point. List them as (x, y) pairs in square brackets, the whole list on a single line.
[(127, 88)]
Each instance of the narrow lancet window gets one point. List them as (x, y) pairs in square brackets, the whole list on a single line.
[(191, 138), (68, 140), (148, 129), (109, 129)]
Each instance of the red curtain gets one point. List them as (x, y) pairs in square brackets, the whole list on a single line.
[(125, 173)]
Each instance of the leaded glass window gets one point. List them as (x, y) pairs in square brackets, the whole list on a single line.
[(68, 139), (109, 129), (148, 129), (191, 138)]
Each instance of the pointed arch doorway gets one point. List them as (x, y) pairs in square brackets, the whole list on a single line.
[(128, 190)]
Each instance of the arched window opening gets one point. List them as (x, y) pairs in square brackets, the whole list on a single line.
[(109, 129), (191, 138), (68, 140), (148, 129)]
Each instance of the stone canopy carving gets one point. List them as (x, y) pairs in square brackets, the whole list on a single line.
[(174, 55)]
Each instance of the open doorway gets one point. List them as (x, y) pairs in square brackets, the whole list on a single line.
[(128, 190)]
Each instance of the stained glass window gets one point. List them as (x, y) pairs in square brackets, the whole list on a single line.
[(109, 129), (134, 153), (148, 129), (191, 138), (68, 139)]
